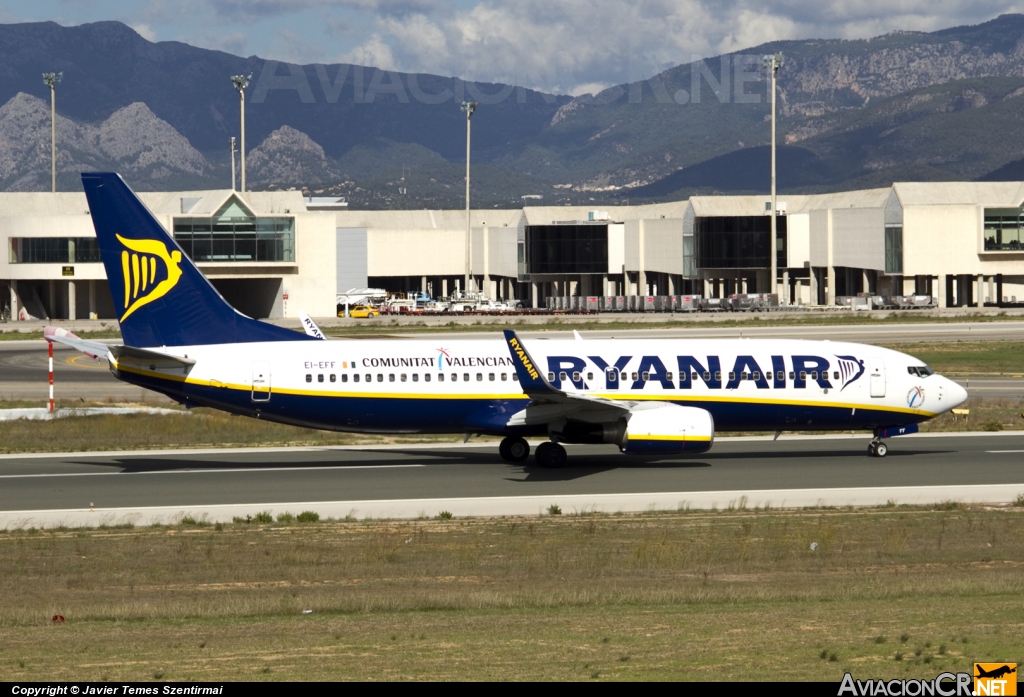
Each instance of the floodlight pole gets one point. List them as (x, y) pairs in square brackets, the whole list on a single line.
[(233, 148), (773, 63), (241, 82), (469, 108), (51, 80)]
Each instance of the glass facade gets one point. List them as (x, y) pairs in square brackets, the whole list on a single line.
[(567, 249), (739, 242), (53, 250), (894, 249), (1003, 230), (234, 235)]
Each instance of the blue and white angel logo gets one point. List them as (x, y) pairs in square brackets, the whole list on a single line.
[(850, 369)]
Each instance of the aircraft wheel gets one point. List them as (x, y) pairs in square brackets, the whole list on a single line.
[(881, 449), (541, 454), (871, 449), (514, 449), (551, 455)]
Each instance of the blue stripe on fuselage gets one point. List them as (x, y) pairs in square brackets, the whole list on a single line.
[(484, 415)]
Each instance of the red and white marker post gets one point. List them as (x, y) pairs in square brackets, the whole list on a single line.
[(50, 345)]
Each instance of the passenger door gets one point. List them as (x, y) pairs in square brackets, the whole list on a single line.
[(876, 377), (260, 381)]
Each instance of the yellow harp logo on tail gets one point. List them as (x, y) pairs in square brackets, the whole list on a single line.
[(139, 266)]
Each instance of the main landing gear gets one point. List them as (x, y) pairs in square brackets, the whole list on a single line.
[(877, 448), (551, 455), (514, 449)]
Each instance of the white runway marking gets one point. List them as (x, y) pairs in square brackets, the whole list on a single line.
[(1004, 451)]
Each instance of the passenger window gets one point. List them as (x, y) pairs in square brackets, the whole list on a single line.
[(391, 377), (744, 375), (465, 377), (344, 377), (792, 375), (515, 377), (426, 377), (646, 376), (403, 377), (479, 377), (803, 374), (668, 376), (780, 376), (611, 375), (814, 375), (320, 377), (562, 376), (490, 377), (634, 377), (369, 378), (576, 376), (695, 376), (380, 377), (732, 376), (757, 375), (455, 377), (718, 375), (590, 376), (309, 377), (334, 378), (504, 377), (415, 377), (355, 377), (707, 376), (835, 375)]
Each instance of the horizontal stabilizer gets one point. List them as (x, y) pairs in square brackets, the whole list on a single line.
[(92, 349)]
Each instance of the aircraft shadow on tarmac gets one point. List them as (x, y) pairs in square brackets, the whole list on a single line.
[(580, 465)]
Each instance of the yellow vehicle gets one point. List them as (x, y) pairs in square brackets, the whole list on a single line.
[(361, 311)]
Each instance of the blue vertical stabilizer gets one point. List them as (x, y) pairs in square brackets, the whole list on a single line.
[(160, 296)]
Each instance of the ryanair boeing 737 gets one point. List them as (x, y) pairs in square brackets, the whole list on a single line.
[(660, 397)]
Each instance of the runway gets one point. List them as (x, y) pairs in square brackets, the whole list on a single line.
[(472, 480)]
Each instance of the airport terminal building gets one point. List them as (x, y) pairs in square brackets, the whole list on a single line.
[(273, 254)]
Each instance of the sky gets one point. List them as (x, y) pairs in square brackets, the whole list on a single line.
[(563, 46)]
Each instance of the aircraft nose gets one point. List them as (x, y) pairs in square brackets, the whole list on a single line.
[(956, 395)]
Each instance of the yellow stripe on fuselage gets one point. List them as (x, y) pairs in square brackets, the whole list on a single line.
[(619, 396)]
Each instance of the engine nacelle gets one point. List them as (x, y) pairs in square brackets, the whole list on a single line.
[(658, 428)]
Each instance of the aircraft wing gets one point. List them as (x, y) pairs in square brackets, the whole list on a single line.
[(541, 392)]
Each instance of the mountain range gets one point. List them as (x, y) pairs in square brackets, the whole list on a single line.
[(903, 106)]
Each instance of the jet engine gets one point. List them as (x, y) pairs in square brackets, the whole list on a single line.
[(658, 428)]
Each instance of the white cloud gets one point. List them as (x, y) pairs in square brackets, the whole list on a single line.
[(145, 31), (579, 46)]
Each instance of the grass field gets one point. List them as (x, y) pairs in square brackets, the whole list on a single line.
[(891, 592), (391, 325)]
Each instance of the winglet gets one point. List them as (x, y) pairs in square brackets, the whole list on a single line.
[(310, 326), (530, 375)]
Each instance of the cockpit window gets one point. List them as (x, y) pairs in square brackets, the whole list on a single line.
[(922, 371)]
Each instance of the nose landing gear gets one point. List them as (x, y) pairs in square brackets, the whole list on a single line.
[(877, 448)]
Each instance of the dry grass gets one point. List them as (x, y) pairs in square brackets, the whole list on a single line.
[(732, 595), (968, 358), (198, 428)]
